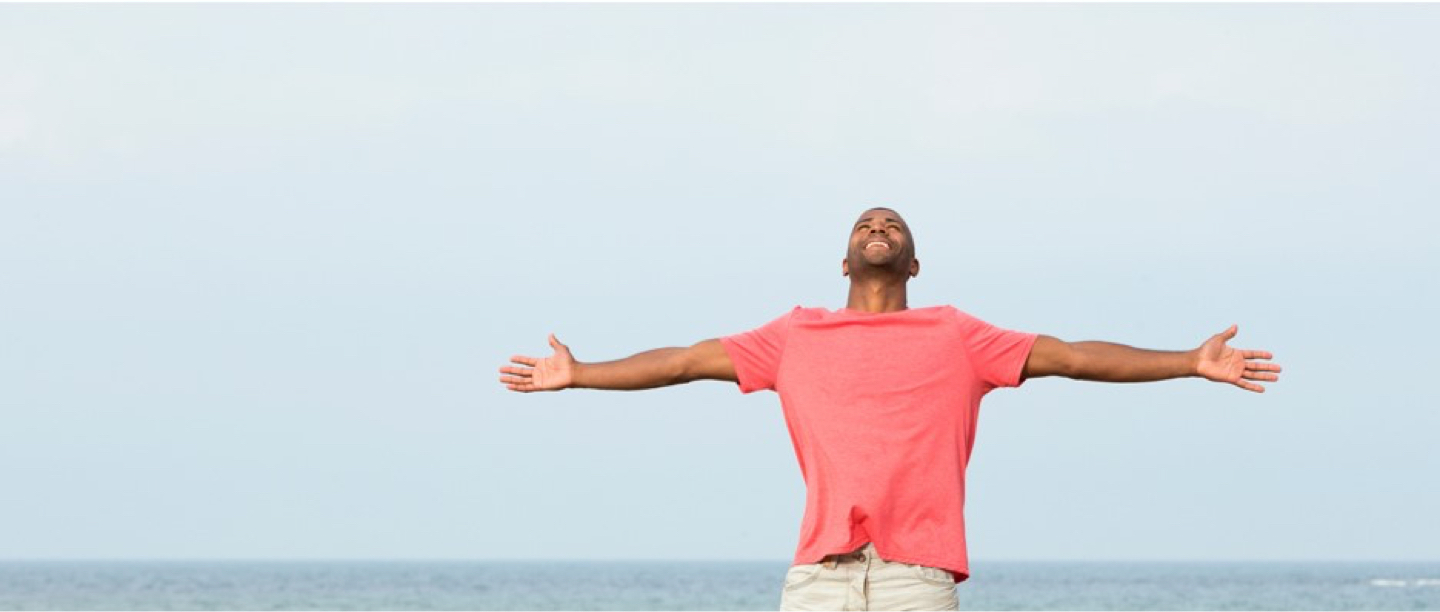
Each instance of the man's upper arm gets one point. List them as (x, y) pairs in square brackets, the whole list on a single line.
[(707, 360), (1049, 357)]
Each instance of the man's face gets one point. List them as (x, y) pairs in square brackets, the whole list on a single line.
[(880, 242)]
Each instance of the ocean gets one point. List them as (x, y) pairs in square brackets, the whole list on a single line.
[(691, 585)]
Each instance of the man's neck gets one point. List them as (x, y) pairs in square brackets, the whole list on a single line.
[(876, 295)]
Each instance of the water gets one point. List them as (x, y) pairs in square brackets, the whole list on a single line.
[(692, 585)]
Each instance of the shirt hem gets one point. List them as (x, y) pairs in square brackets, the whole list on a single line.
[(960, 572)]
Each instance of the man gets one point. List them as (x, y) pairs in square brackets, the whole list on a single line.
[(881, 401)]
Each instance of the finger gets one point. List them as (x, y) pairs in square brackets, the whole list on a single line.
[(522, 372), (515, 380), (1249, 386), (1230, 333), (521, 388), (1254, 375), (1256, 354), (521, 359), (1262, 367), (555, 343)]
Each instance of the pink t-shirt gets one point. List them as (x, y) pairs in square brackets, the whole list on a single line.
[(881, 409)]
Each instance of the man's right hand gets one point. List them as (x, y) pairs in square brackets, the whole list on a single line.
[(552, 373)]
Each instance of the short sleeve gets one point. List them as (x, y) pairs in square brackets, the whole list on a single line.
[(998, 355), (756, 353)]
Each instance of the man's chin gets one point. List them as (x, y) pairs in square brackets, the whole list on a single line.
[(878, 257), (870, 265)]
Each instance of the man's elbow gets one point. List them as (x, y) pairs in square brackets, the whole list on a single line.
[(1074, 363), (686, 367)]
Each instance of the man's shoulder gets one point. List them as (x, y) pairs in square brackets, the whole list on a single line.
[(807, 313)]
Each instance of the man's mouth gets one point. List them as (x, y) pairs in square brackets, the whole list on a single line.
[(877, 243)]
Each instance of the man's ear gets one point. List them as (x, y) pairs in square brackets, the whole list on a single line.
[(845, 267), (914, 268)]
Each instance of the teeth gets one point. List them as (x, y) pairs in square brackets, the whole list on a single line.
[(875, 243)]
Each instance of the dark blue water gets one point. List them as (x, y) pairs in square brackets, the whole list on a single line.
[(691, 585)]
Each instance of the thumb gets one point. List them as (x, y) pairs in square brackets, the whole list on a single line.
[(1230, 333), (555, 343)]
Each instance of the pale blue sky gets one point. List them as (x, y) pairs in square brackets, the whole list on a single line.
[(261, 262)]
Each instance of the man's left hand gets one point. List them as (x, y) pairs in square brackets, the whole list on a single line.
[(1220, 363)]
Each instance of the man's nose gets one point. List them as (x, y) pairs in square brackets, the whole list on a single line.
[(877, 230)]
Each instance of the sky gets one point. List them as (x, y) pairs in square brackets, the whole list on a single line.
[(261, 262)]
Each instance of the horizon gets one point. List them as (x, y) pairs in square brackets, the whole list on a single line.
[(974, 562)]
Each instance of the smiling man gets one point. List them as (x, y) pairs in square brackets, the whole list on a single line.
[(881, 401)]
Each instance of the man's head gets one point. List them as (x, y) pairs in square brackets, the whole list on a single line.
[(880, 246)]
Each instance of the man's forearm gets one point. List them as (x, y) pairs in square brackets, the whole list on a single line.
[(647, 370), (1110, 362)]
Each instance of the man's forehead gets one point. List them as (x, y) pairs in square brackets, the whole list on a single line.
[(880, 214)]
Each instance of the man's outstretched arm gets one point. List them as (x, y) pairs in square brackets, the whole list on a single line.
[(706, 360), (1109, 362)]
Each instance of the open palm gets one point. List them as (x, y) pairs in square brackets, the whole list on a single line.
[(548, 374), (1221, 363)]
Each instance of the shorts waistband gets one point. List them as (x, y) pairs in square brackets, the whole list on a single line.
[(857, 555)]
